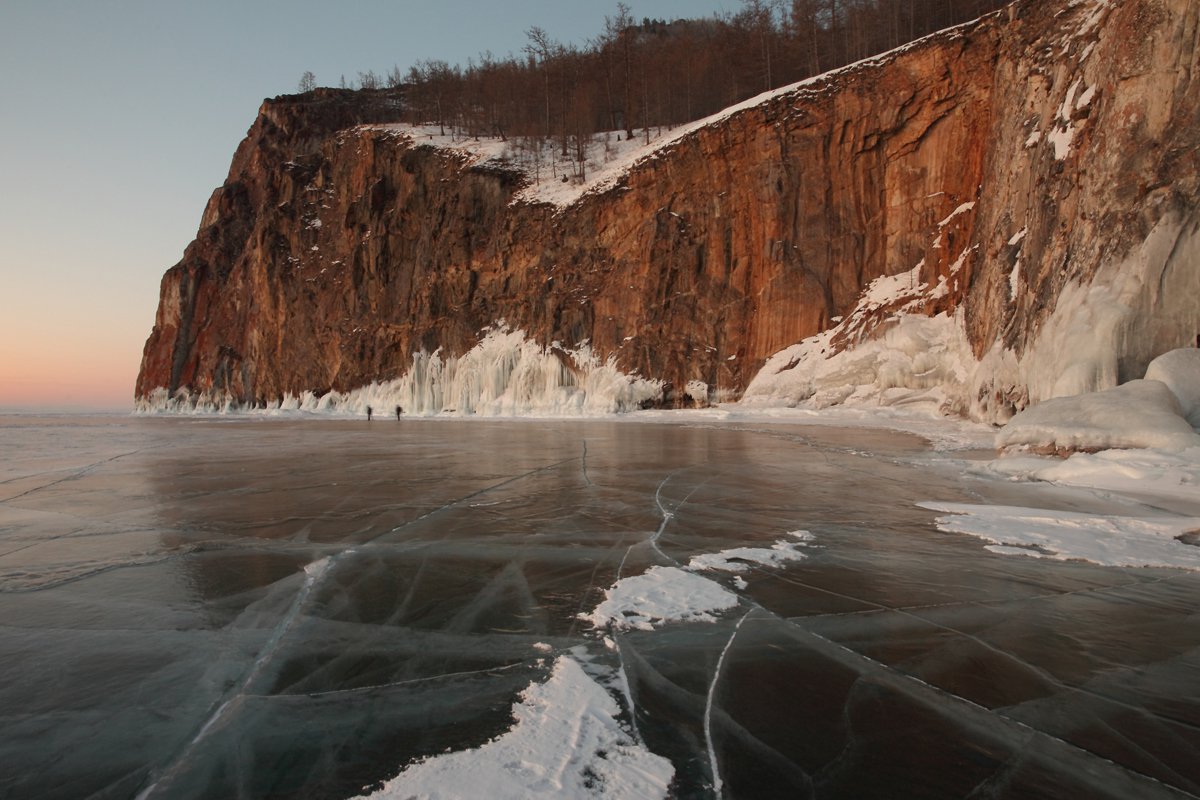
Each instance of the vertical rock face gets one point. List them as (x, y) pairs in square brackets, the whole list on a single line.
[(1091, 179), (1003, 162)]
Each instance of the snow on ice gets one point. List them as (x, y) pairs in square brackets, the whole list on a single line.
[(566, 743), (1109, 540), (739, 559), (658, 596), (1163, 478), (1147, 452)]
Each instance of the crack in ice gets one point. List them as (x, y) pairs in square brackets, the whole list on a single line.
[(313, 574), (708, 706), (78, 473)]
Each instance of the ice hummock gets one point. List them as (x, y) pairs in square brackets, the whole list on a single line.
[(1141, 413), (1179, 370), (1154, 412)]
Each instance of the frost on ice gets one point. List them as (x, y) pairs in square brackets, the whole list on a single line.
[(658, 596), (566, 743)]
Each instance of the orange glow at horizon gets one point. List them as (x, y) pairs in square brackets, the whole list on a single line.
[(99, 382), (70, 361)]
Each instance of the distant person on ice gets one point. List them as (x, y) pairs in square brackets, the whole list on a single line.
[(368, 413), (399, 411)]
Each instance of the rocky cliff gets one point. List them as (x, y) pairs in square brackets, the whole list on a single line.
[(1031, 177)]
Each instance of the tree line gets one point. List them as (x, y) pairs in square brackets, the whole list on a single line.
[(638, 77)]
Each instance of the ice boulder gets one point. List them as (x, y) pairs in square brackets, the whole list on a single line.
[(1180, 371), (1144, 413)]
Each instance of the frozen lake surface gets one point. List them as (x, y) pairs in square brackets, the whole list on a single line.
[(222, 607)]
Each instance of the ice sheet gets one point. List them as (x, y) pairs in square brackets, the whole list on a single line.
[(327, 601)]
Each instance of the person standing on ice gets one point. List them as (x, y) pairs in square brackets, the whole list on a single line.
[(368, 413), (399, 411)]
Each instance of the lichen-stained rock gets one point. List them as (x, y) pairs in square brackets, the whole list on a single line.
[(998, 162)]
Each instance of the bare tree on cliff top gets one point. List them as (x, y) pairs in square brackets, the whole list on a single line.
[(308, 82)]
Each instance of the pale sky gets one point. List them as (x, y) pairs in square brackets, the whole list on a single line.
[(119, 117)]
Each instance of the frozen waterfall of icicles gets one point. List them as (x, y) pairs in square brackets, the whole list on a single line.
[(506, 374)]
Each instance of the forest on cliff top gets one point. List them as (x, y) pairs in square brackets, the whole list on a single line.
[(638, 76)]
